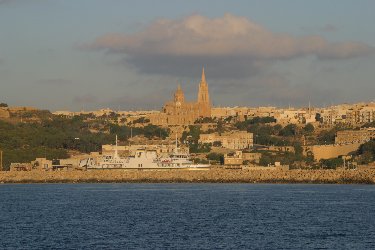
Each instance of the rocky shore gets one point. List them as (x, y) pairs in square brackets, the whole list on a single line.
[(186, 176)]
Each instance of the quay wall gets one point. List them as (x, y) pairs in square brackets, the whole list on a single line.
[(366, 176)]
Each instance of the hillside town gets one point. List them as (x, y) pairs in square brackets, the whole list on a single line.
[(339, 136)]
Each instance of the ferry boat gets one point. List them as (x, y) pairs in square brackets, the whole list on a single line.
[(143, 159)]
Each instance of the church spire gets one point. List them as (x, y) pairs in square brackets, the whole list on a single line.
[(203, 76), (203, 97)]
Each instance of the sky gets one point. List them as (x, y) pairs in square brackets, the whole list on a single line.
[(131, 55)]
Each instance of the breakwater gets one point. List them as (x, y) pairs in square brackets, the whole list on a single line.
[(189, 176)]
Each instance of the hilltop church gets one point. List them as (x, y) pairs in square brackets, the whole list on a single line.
[(179, 112)]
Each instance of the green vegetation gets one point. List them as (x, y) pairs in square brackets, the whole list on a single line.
[(331, 163), (192, 138), (256, 120), (289, 130), (308, 129), (141, 120), (36, 115), (267, 134), (285, 158), (199, 148), (193, 135), (269, 140), (205, 120), (3, 105), (24, 142), (150, 131), (327, 136), (269, 158), (369, 125), (200, 161), (228, 119), (366, 152), (54, 136), (216, 157)]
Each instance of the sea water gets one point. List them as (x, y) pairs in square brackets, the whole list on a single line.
[(187, 216)]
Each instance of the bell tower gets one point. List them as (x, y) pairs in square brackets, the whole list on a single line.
[(179, 95), (203, 97)]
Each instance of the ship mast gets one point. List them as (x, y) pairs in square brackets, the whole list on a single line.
[(116, 151)]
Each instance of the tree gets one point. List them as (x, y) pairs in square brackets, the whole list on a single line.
[(256, 120), (228, 119), (367, 147), (194, 132), (309, 128), (53, 138), (366, 152), (141, 120), (298, 150), (204, 120), (289, 130), (199, 148), (327, 136), (3, 105), (365, 158), (150, 131), (331, 163), (276, 129), (369, 125), (220, 127), (216, 157), (318, 117)]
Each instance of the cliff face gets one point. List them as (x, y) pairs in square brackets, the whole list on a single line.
[(211, 176)]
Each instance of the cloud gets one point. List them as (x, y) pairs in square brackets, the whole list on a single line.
[(225, 44), (55, 82)]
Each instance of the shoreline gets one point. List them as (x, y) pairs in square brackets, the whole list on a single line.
[(186, 176)]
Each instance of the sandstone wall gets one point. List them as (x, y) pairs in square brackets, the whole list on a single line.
[(331, 151), (212, 176)]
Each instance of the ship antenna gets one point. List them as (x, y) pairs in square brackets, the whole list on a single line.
[(116, 151)]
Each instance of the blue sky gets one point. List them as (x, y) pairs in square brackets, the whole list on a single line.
[(90, 54)]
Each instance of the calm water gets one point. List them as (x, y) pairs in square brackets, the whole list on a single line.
[(187, 216)]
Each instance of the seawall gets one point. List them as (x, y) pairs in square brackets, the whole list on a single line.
[(186, 176)]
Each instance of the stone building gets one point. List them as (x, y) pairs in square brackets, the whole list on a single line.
[(231, 140), (180, 112), (355, 136), (242, 158)]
